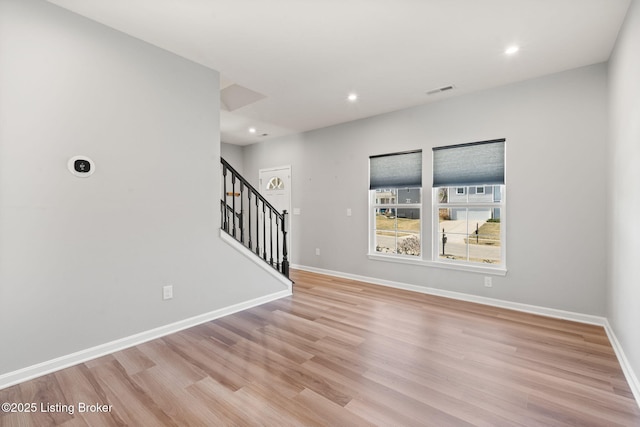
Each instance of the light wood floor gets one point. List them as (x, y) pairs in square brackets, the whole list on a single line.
[(345, 353)]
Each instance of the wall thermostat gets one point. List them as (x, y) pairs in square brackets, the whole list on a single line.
[(81, 166)]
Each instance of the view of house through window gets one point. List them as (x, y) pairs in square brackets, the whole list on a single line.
[(397, 221), (395, 182), (468, 203), (468, 224)]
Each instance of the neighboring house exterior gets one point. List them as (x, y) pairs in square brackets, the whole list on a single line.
[(399, 197), (474, 194)]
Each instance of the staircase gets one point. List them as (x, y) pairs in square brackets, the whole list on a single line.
[(251, 220)]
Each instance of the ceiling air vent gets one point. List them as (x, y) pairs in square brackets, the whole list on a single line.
[(440, 89)]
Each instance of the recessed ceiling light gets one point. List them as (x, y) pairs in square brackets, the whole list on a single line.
[(512, 49), (252, 130), (353, 97)]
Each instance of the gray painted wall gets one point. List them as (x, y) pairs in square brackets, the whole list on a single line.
[(234, 155), (624, 191), (556, 131), (83, 261)]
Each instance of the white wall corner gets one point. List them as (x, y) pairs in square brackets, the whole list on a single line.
[(630, 375)]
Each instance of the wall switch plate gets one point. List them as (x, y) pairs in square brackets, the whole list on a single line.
[(348, 211), (488, 282), (167, 292), (317, 251)]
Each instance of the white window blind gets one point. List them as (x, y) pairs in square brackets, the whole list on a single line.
[(469, 164), (396, 170)]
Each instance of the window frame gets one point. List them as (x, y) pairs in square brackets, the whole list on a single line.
[(373, 206), (464, 264), (431, 233), (395, 171)]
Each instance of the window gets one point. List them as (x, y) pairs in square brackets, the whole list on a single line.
[(395, 187), (275, 183), (469, 224)]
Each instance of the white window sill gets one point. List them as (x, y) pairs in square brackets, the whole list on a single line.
[(495, 271)]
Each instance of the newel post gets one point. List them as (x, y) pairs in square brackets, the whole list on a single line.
[(285, 259)]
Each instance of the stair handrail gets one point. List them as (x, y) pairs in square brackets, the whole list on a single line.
[(280, 218), (248, 185)]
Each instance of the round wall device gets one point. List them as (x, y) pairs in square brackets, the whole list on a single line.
[(81, 166)]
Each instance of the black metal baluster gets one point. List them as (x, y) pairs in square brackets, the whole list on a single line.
[(241, 218), (277, 242), (264, 232), (224, 198), (249, 219), (233, 203), (285, 261), (270, 236), (257, 227)]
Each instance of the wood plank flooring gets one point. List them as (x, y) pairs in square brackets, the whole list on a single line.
[(346, 353)]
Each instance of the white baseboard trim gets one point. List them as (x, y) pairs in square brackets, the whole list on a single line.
[(629, 374), (44, 368), (533, 309)]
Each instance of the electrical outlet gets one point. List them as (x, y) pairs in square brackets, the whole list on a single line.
[(317, 251), (167, 292), (487, 282)]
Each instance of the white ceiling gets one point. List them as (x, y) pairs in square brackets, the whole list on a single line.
[(305, 56)]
